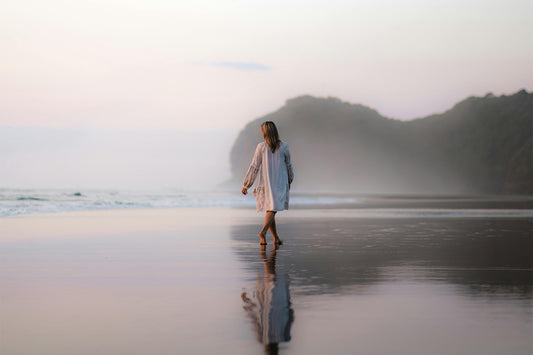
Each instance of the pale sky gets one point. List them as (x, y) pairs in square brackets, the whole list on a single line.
[(152, 93), (171, 64)]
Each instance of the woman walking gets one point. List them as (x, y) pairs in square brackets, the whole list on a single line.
[(272, 162)]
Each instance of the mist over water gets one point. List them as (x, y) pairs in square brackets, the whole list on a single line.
[(480, 146), (83, 157)]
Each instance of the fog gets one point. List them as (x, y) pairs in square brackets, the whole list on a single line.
[(83, 157), (158, 90), (480, 145)]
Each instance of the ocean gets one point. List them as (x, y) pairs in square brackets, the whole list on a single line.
[(33, 201)]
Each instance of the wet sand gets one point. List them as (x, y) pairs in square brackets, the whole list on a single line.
[(197, 281)]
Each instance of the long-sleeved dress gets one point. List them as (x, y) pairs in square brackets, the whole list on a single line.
[(275, 176)]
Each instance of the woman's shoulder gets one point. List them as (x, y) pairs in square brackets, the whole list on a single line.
[(284, 145), (260, 147)]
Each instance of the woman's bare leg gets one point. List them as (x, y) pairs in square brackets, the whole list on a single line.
[(269, 218), (275, 232)]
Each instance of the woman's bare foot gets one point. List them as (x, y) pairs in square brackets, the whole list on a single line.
[(262, 241), (278, 241)]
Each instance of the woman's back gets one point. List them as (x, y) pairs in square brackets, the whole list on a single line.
[(275, 175)]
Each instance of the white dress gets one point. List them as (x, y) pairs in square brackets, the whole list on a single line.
[(275, 176)]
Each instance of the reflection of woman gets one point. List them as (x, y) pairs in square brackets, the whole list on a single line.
[(272, 162), (269, 306)]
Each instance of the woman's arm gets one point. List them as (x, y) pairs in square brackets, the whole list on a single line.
[(252, 170)]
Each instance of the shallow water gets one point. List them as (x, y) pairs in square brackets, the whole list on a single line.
[(170, 282)]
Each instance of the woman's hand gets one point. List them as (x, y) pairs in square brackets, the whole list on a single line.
[(244, 191)]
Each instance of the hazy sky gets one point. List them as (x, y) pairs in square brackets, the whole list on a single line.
[(220, 63), (152, 93)]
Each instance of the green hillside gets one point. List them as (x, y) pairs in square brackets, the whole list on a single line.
[(481, 145)]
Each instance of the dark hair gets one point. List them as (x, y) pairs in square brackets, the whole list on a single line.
[(270, 134)]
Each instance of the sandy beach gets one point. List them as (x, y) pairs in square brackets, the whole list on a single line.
[(169, 281)]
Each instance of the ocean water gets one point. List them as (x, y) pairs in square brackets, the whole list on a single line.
[(31, 201)]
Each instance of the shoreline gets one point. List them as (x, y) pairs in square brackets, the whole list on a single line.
[(13, 203)]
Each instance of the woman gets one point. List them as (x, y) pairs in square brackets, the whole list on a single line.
[(272, 162)]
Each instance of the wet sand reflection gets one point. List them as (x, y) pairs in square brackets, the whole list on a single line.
[(269, 305), (487, 257), (427, 285)]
